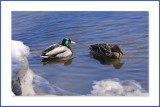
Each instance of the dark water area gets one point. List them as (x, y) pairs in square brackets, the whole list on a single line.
[(38, 30)]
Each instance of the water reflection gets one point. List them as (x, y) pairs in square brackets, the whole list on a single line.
[(108, 61), (53, 61)]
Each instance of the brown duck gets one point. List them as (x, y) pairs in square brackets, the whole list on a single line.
[(113, 51)]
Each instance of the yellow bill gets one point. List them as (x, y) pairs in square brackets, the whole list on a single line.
[(72, 42)]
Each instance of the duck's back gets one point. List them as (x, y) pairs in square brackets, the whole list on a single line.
[(51, 47), (101, 48)]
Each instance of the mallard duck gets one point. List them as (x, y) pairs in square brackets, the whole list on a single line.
[(59, 51), (106, 51)]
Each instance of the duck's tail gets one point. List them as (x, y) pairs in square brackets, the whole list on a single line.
[(44, 56)]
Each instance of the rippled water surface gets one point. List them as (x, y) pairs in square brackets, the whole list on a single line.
[(38, 30)]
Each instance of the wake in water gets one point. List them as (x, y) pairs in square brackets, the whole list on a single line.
[(26, 83)]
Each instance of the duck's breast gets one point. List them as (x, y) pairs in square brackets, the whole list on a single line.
[(116, 55)]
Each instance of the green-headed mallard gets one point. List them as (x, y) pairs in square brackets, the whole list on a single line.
[(62, 50), (106, 51)]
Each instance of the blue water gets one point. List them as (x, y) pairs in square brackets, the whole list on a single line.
[(38, 30)]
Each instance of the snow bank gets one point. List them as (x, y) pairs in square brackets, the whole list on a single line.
[(22, 76), (117, 87), (19, 50)]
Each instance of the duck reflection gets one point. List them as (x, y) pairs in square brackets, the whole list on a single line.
[(53, 61), (109, 61)]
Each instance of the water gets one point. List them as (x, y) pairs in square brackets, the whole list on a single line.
[(38, 30)]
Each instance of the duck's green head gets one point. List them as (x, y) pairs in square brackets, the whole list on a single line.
[(67, 41)]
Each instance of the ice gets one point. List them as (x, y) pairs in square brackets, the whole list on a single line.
[(117, 87), (43, 87), (22, 75), (19, 50)]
